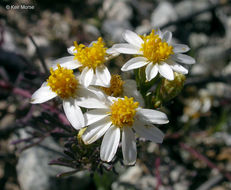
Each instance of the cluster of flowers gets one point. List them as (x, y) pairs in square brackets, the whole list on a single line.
[(113, 105)]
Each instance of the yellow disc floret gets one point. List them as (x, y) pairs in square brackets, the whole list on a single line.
[(116, 86), (123, 112), (154, 49), (62, 81), (92, 56)]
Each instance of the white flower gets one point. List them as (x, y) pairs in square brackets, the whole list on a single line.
[(156, 52), (63, 83), (90, 61), (121, 88), (122, 115)]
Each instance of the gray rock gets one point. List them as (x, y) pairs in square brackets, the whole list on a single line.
[(152, 147), (147, 182), (118, 14), (227, 69), (144, 28), (185, 8), (34, 173), (163, 14), (210, 182), (181, 186), (9, 40), (219, 89), (210, 59), (176, 173), (122, 186), (128, 179), (91, 31), (143, 8), (227, 22), (197, 40), (61, 27), (223, 137), (41, 42), (113, 29), (131, 175), (117, 10)]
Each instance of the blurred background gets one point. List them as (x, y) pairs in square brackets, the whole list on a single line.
[(196, 152)]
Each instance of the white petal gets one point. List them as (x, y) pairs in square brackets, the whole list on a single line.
[(166, 71), (103, 75), (90, 92), (98, 93), (95, 131), (180, 48), (152, 116), (70, 65), (159, 33), (112, 51), (130, 90), (129, 146), (90, 101), (183, 58), (86, 76), (110, 144), (180, 69), (151, 71), (93, 116), (167, 36), (111, 100), (97, 82), (66, 62), (134, 63), (133, 38), (74, 114), (91, 98), (149, 132), (43, 94), (127, 49), (91, 44), (71, 50)]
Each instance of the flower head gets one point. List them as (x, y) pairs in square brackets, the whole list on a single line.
[(63, 83), (116, 86), (121, 88), (122, 115), (91, 57), (123, 111), (156, 52), (154, 49), (90, 60)]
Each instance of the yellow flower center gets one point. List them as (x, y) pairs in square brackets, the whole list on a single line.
[(116, 86), (62, 81), (123, 112), (93, 56), (154, 49)]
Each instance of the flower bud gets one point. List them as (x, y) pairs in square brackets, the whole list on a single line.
[(168, 89)]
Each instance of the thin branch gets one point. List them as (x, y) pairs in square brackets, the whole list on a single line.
[(34, 143), (201, 81), (157, 165), (27, 94), (39, 54), (209, 163), (211, 182), (190, 16)]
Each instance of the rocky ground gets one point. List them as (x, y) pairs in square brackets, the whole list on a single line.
[(196, 151)]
